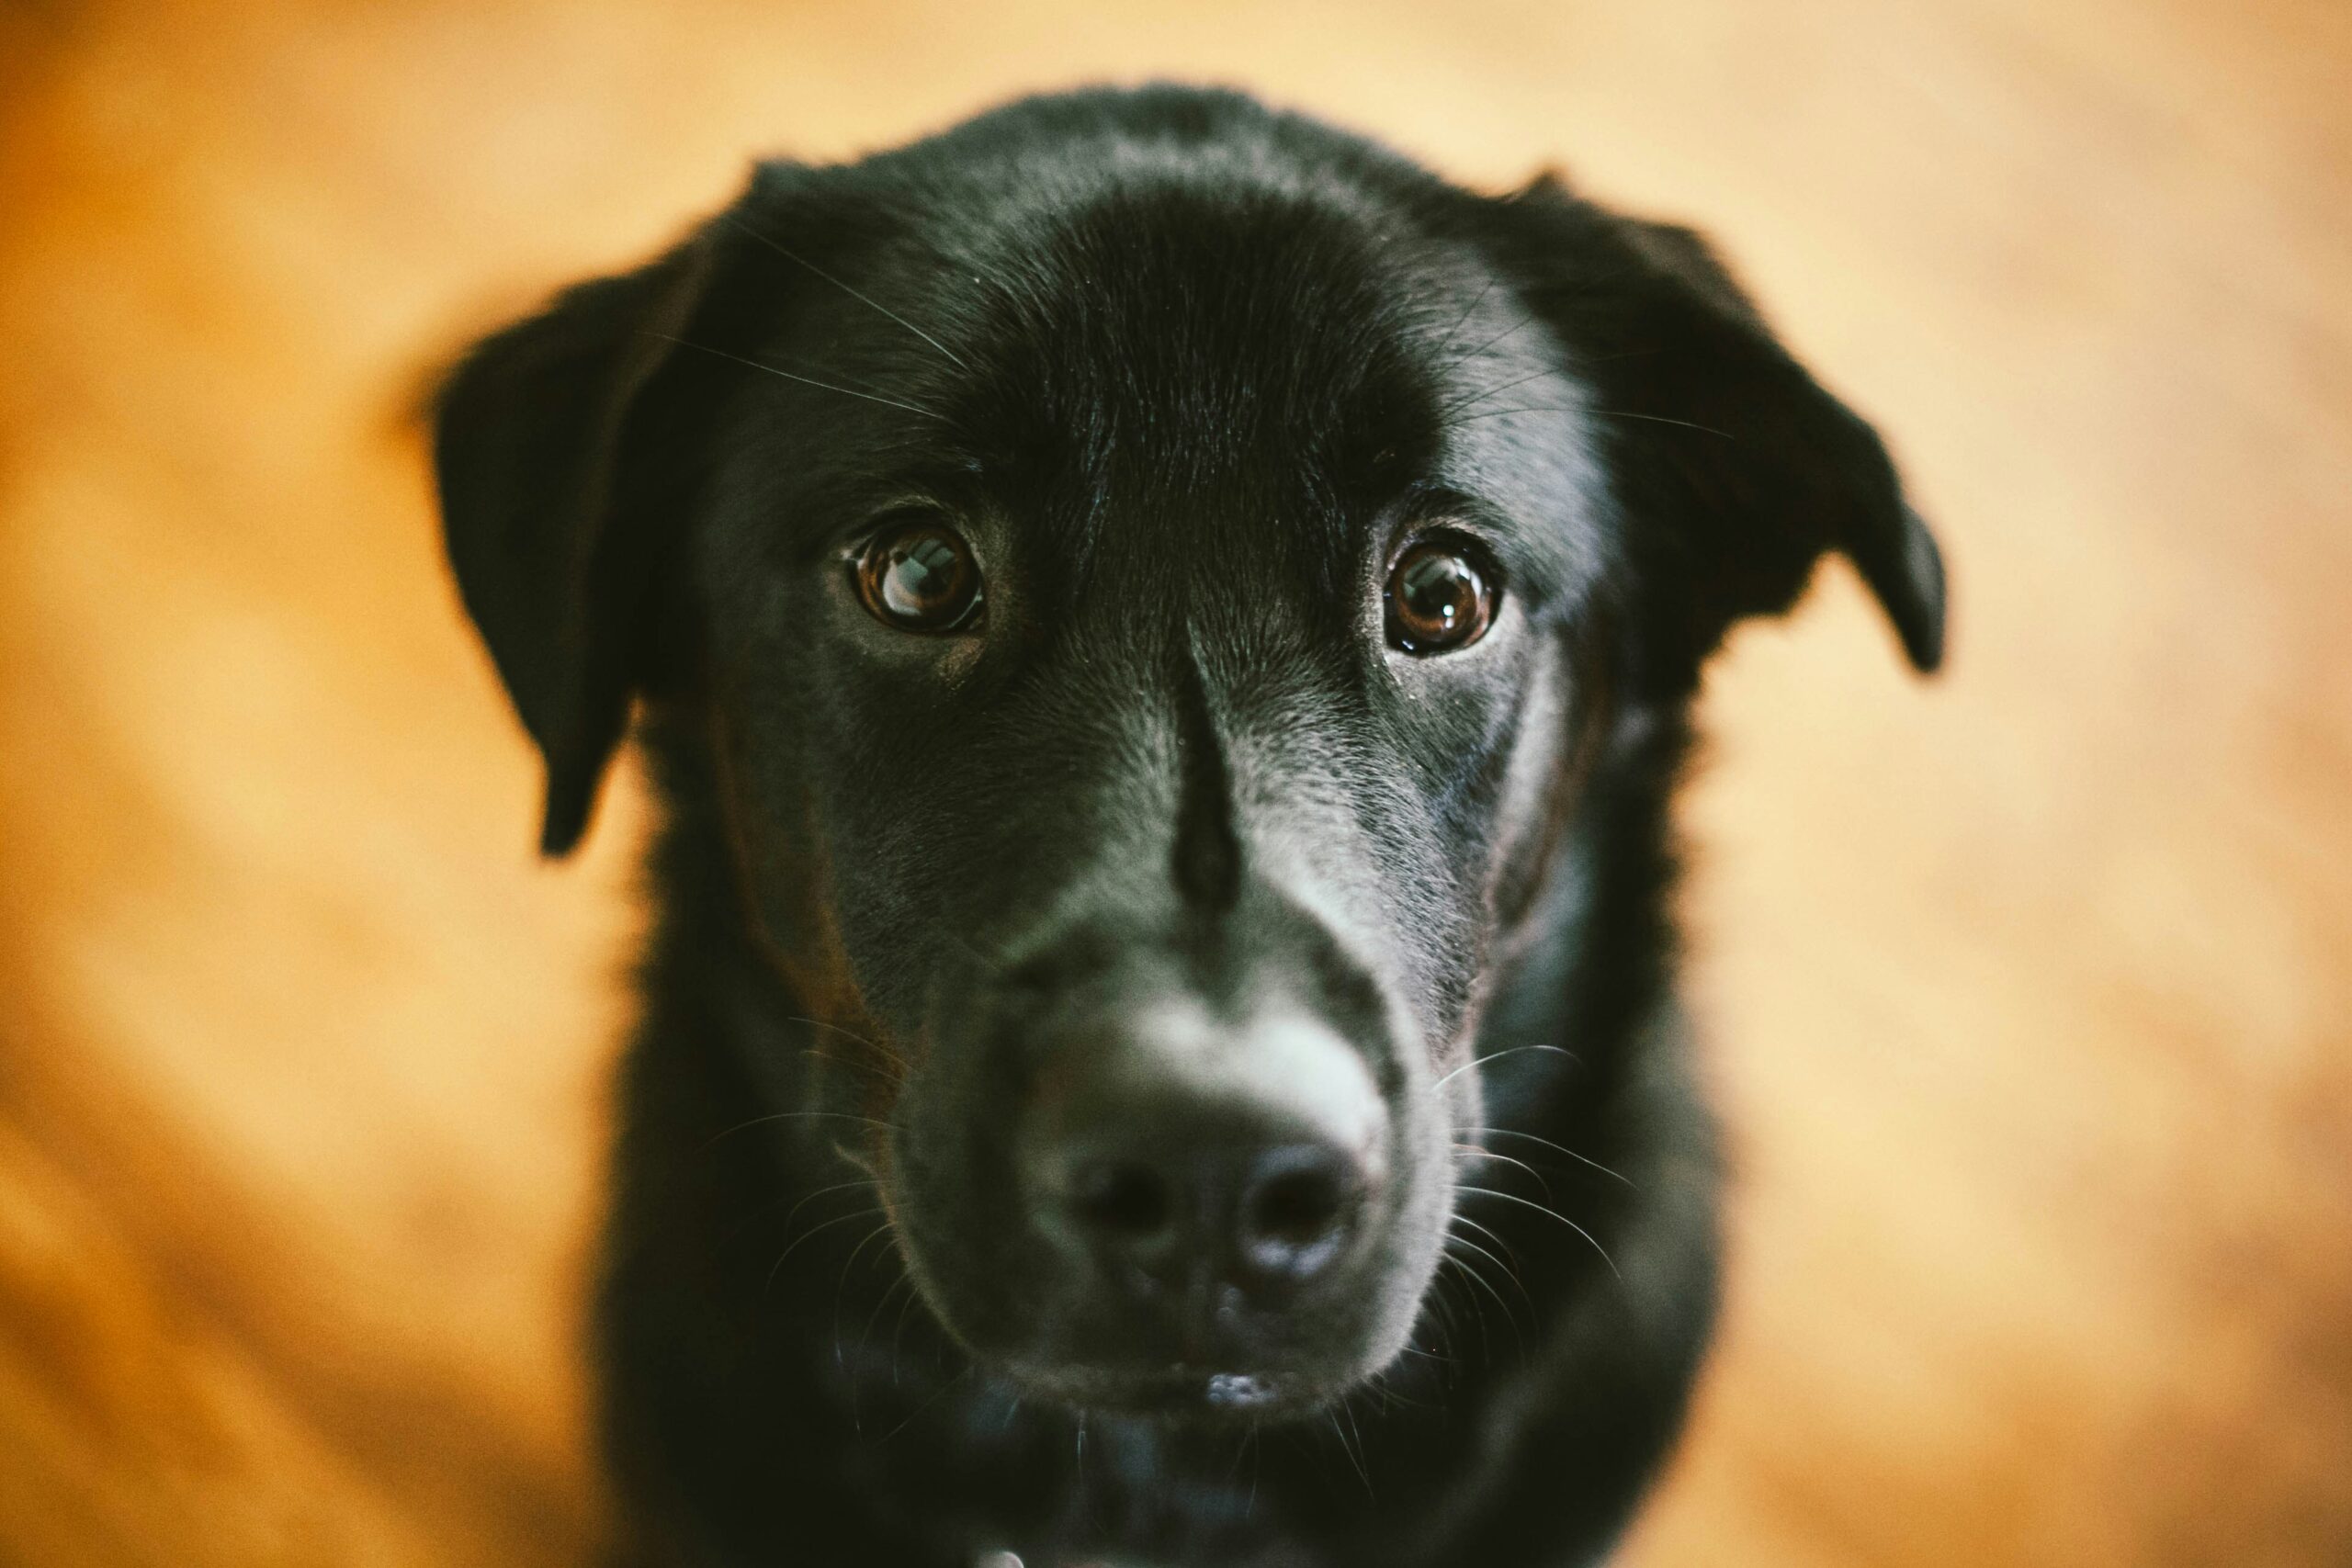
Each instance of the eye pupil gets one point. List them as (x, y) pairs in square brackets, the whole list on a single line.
[(920, 578), (922, 575), (1439, 591), (1438, 599)]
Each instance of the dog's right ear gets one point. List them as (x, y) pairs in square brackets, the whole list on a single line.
[(558, 447)]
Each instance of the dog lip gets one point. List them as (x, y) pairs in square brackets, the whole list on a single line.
[(1237, 1391), (1198, 1389), (1176, 1390)]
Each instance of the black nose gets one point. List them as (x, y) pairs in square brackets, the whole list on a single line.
[(1259, 1215), (1162, 1147)]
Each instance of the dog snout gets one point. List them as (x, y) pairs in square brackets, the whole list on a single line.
[(1260, 1217), (1174, 1153)]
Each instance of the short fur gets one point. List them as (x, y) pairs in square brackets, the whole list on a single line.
[(1184, 368)]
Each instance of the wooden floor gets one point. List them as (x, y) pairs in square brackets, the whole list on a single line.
[(2031, 990)]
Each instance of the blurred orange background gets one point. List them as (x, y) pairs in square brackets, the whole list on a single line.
[(2029, 991)]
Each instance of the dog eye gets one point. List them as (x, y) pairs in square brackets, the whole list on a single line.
[(1439, 598), (920, 577)]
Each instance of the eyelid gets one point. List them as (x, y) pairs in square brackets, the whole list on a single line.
[(851, 539), (1481, 539), (1432, 506)]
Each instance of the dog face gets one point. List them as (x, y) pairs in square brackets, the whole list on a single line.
[(1153, 576)]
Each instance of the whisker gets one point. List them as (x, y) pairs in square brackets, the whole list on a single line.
[(887, 1067), (1663, 419), (1257, 1470), (1489, 1154), (1364, 1464), (899, 1332), (785, 1116), (1355, 1463), (1388, 1394), (1453, 1240), (866, 1334), (865, 299), (1496, 1056), (792, 376), (788, 1252), (1240, 1451), (880, 1230), (841, 1352), (809, 1198), (1508, 1315), (874, 1045), (937, 1394), (1472, 399), (842, 1285), (1462, 419), (1464, 320), (1562, 1148), (1462, 1219), (1517, 327), (1446, 1329), (1530, 1203), (893, 1081), (1485, 1341)]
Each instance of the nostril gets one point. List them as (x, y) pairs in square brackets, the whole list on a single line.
[(1121, 1200), (1295, 1207), (1295, 1211)]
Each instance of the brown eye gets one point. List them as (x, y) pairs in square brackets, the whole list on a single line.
[(919, 578), (1439, 598)]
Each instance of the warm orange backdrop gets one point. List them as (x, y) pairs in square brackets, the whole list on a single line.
[(2031, 990)]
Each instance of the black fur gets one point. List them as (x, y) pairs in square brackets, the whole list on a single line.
[(1183, 367)]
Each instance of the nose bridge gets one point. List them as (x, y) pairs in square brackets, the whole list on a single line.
[(1209, 820), (1257, 799), (1206, 857), (1193, 665), (1145, 830), (1277, 1070)]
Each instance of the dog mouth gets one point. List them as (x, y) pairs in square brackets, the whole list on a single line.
[(1148, 1205), (1179, 1392)]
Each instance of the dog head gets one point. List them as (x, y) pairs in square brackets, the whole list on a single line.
[(1152, 576)]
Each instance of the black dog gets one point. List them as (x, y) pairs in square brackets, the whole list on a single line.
[(1164, 633)]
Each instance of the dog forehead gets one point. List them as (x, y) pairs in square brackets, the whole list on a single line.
[(1225, 370), (1180, 325)]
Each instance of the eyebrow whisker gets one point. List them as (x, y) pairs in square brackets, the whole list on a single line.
[(1605, 413), (1663, 418), (865, 300), (1461, 321), (1472, 400), (791, 376), (1513, 330)]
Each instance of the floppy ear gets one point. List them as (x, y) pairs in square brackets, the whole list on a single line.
[(1736, 469), (557, 444)]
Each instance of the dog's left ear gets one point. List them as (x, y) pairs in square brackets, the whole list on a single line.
[(1736, 469), (559, 444)]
